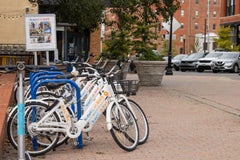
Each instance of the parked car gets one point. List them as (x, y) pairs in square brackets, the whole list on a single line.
[(206, 62), (229, 61), (176, 61), (190, 62)]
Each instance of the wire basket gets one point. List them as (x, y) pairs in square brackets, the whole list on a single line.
[(129, 87)]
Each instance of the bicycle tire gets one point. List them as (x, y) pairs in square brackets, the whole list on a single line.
[(125, 135), (50, 97), (48, 138), (142, 121)]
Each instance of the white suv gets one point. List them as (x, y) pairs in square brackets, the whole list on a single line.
[(206, 62), (229, 61)]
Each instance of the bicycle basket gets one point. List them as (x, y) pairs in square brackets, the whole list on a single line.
[(129, 87)]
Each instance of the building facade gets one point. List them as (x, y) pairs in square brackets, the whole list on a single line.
[(197, 24), (70, 43), (230, 16)]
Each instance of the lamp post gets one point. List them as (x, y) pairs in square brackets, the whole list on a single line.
[(169, 66), (184, 44), (205, 32)]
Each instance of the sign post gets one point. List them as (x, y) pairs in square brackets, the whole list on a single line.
[(40, 34)]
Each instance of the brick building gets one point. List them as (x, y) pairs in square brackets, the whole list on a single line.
[(190, 23), (196, 25), (230, 16)]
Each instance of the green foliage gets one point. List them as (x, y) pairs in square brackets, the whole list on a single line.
[(140, 18), (117, 47), (143, 41), (86, 14), (224, 40)]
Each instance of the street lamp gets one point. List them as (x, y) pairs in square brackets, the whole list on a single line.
[(169, 67), (184, 43)]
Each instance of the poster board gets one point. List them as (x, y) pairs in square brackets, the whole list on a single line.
[(40, 32)]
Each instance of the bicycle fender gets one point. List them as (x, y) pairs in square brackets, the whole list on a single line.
[(108, 116)]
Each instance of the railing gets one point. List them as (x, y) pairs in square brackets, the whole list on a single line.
[(11, 53)]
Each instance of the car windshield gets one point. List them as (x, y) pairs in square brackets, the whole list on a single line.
[(195, 55), (179, 57), (214, 54), (229, 55)]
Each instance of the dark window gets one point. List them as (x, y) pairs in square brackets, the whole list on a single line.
[(181, 51), (214, 13), (230, 7), (214, 26), (182, 25), (196, 26), (196, 1)]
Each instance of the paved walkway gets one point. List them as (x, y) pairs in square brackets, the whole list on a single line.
[(6, 86), (191, 118)]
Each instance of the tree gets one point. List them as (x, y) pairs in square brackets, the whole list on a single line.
[(85, 14), (224, 40), (140, 18), (118, 46)]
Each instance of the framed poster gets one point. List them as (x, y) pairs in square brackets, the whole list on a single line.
[(40, 32)]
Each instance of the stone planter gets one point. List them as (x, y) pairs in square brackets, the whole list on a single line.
[(150, 73)]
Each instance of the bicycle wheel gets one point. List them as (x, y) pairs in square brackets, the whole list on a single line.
[(125, 129), (49, 97), (141, 119), (45, 140)]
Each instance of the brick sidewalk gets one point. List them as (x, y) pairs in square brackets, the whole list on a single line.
[(182, 125), (6, 85)]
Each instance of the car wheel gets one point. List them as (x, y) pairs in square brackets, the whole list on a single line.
[(235, 68), (215, 71), (183, 70), (176, 68), (200, 70)]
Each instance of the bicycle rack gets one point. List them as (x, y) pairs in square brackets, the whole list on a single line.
[(53, 79), (21, 116)]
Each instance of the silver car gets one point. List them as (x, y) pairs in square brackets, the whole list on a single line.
[(176, 61), (206, 62), (190, 62), (229, 61)]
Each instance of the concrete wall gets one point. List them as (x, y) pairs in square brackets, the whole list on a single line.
[(12, 20)]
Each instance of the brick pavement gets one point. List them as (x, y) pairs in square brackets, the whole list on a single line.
[(6, 86), (183, 126)]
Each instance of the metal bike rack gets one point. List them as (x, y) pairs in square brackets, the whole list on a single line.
[(78, 95), (22, 155)]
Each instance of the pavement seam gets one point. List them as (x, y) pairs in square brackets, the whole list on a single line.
[(211, 103)]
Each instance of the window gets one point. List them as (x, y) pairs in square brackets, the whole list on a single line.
[(230, 9), (214, 13), (214, 26), (183, 1), (196, 13), (182, 25), (196, 2), (182, 13), (196, 26), (214, 1), (181, 38)]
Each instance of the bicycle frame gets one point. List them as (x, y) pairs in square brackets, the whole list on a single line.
[(104, 101)]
